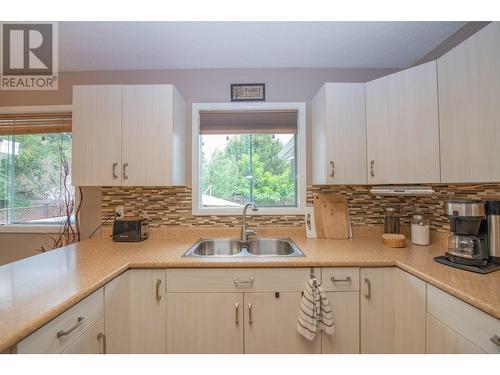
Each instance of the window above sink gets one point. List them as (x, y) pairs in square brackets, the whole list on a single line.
[(249, 153)]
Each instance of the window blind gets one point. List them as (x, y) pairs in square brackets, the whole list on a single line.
[(248, 122), (35, 123)]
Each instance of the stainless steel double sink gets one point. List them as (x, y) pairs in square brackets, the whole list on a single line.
[(234, 248)]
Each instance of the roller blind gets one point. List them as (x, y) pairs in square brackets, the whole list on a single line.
[(35, 123), (248, 122)]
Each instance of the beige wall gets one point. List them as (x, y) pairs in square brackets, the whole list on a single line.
[(15, 246)]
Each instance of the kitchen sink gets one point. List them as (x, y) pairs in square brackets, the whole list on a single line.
[(254, 248)]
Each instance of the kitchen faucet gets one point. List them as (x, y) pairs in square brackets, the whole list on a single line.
[(244, 231)]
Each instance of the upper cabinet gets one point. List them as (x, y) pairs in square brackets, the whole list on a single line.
[(128, 135), (402, 127), (339, 134), (469, 108)]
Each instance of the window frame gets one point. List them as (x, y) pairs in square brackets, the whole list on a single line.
[(300, 157), (43, 227)]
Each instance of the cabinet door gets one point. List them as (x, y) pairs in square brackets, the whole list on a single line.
[(443, 340), (469, 110), (377, 310), (93, 341), (339, 134), (271, 325), (346, 133), (147, 135), (345, 340), (134, 311), (200, 323), (96, 132), (402, 127), (410, 310)]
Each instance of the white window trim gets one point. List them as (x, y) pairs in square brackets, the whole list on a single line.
[(301, 157), (33, 228)]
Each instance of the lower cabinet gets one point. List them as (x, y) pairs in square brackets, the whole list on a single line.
[(271, 325), (393, 311), (205, 323), (454, 326), (91, 342), (443, 340), (236, 311), (377, 310), (135, 312), (345, 340), (81, 321)]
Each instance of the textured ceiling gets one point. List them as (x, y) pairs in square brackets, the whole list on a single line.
[(182, 45)]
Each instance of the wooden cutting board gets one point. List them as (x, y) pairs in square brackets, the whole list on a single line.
[(331, 216)]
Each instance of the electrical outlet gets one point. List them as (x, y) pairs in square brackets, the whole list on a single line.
[(120, 212)]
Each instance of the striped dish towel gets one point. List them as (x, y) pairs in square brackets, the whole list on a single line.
[(315, 313)]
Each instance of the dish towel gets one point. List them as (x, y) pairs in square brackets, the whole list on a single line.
[(315, 313)]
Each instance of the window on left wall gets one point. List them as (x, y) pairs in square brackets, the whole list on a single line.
[(35, 169)]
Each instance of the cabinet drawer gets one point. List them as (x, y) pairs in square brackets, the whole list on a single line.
[(238, 280), (45, 339), (91, 342), (473, 324), (340, 278)]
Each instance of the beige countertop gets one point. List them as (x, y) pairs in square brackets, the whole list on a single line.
[(35, 290)]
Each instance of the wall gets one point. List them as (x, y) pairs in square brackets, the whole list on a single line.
[(172, 206)]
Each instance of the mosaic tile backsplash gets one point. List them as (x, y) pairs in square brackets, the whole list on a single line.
[(171, 206)]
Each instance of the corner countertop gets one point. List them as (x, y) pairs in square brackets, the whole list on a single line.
[(37, 289)]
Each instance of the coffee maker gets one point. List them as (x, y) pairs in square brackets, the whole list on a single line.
[(468, 242)]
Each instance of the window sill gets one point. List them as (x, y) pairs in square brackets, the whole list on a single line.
[(281, 211), (21, 228)]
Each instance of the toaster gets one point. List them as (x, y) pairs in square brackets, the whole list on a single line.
[(130, 230)]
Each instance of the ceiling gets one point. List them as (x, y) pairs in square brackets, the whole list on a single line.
[(86, 46)]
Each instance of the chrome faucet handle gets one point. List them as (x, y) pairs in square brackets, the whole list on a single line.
[(251, 232)]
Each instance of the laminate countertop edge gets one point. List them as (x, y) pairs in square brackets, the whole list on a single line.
[(413, 260)]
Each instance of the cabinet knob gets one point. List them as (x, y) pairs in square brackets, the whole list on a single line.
[(158, 294), (79, 321), (332, 173), (495, 340), (101, 336), (125, 176), (368, 293), (372, 168), (115, 175), (237, 282), (250, 317)]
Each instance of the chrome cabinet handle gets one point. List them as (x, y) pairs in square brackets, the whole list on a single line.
[(79, 321), (115, 175), (346, 280), (368, 294), (372, 168), (125, 176), (237, 282), (236, 309), (332, 173), (101, 336), (250, 318), (158, 294), (495, 339)]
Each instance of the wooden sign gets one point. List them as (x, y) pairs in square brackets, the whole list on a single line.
[(242, 92)]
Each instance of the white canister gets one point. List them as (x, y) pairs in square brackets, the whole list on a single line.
[(420, 227)]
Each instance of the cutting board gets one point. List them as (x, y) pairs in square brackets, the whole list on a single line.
[(331, 216)]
